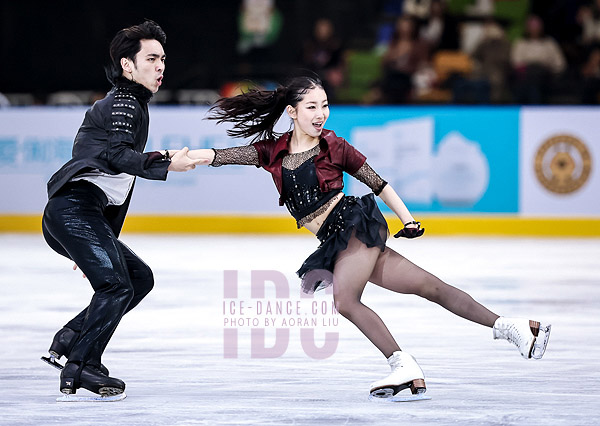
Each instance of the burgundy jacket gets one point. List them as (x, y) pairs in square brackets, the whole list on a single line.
[(336, 156)]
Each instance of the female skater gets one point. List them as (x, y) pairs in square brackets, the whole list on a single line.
[(306, 165)]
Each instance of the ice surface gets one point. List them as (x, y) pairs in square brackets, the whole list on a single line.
[(170, 350)]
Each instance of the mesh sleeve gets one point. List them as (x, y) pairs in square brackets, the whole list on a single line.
[(369, 177), (245, 155)]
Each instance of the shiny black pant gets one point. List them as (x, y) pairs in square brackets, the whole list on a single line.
[(75, 227)]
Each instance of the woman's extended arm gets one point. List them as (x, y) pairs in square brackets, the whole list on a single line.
[(380, 187), (242, 155), (394, 202), (411, 228), (202, 154)]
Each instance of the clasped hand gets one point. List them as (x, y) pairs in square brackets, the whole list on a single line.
[(181, 162)]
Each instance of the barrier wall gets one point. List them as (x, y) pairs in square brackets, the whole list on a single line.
[(492, 170)]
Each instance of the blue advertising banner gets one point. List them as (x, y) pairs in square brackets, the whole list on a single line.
[(438, 159)]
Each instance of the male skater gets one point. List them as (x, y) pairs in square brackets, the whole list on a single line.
[(89, 197)]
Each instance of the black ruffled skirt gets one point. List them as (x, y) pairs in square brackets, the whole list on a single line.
[(351, 216)]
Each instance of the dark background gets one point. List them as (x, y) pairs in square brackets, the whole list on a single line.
[(54, 45)]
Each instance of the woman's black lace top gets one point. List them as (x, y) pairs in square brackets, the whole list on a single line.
[(301, 191)]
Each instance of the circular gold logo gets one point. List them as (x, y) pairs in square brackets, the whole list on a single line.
[(563, 164)]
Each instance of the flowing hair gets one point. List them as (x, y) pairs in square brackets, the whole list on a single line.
[(255, 113)]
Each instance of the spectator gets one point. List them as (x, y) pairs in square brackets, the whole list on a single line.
[(589, 19), (590, 73), (440, 30), (492, 61), (536, 60), (417, 8), (404, 56), (259, 23), (324, 54)]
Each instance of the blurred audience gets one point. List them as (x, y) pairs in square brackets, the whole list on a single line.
[(405, 54), (590, 73), (537, 60), (440, 29), (323, 53), (480, 8), (420, 9), (588, 17), (259, 24), (492, 62), (402, 59)]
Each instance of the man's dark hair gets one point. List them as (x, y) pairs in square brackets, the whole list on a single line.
[(126, 44)]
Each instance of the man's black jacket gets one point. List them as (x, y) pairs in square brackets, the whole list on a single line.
[(112, 139)]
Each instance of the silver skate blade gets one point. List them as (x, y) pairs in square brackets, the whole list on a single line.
[(383, 393), (386, 394), (52, 361), (401, 398), (539, 347), (95, 398)]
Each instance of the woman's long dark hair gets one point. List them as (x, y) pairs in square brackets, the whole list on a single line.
[(255, 113)]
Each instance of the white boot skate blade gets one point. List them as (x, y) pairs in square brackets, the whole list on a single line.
[(95, 398), (401, 398), (539, 347)]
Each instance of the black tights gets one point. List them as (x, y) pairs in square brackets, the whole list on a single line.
[(358, 264), (75, 227)]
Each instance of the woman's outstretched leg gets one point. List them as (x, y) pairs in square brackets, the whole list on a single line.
[(351, 272), (394, 272)]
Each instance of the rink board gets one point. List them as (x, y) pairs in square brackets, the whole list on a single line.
[(435, 225), (460, 170)]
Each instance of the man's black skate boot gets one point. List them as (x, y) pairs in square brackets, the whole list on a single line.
[(63, 342), (73, 377)]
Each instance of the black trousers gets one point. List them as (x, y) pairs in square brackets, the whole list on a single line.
[(75, 227)]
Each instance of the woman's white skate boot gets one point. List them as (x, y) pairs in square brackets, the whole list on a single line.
[(524, 334), (406, 373)]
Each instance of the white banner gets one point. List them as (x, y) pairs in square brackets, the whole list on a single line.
[(205, 190), (36, 142), (559, 159), (401, 150)]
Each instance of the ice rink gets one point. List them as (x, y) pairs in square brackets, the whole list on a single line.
[(182, 366)]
